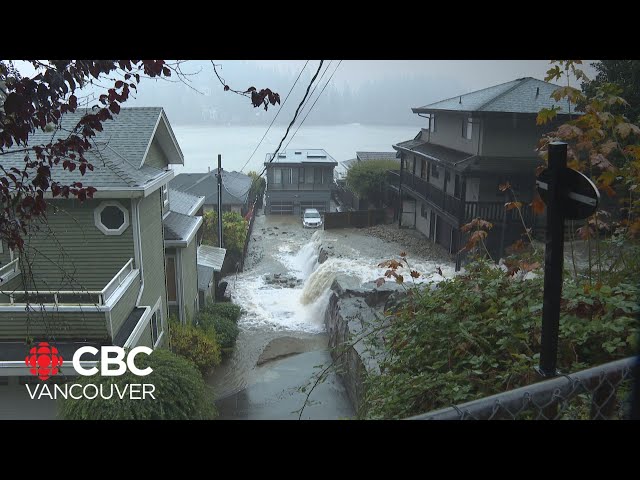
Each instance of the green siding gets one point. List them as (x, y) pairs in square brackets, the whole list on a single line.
[(145, 339), (5, 255), (69, 252), (156, 157), (189, 279), (152, 241), (53, 325), (125, 305)]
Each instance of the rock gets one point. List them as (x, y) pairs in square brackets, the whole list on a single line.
[(285, 346), (323, 255)]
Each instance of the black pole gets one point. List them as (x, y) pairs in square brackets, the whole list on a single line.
[(220, 200), (553, 261)]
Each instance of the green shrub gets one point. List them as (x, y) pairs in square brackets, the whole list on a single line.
[(224, 309), (225, 328), (196, 345), (180, 393), (479, 334)]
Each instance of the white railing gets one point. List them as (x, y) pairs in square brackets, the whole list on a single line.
[(9, 268), (82, 297), (116, 281)]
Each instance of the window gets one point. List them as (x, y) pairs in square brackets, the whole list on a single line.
[(171, 279), (423, 171), (432, 123), (156, 327), (423, 211), (301, 175), (281, 175), (456, 187), (317, 175), (434, 171), (165, 195), (277, 175), (467, 128), (111, 218), (410, 164)]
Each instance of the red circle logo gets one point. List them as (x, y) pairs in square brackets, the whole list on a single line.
[(44, 360)]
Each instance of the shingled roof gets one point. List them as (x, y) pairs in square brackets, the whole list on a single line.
[(235, 185), (370, 156), (184, 203), (118, 152), (524, 95)]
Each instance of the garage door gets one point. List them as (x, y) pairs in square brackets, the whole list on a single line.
[(320, 206), (282, 208)]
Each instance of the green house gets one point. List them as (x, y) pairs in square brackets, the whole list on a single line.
[(106, 271)]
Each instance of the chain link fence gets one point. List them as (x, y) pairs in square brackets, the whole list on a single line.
[(598, 393)]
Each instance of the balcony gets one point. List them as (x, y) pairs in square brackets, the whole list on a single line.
[(67, 314), (459, 211)]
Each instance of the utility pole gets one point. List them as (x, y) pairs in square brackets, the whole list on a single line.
[(220, 200)]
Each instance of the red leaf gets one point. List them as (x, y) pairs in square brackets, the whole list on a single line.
[(114, 107), (537, 205)]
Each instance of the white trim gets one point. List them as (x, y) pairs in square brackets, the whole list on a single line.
[(136, 333), (137, 241), (179, 286), (190, 236), (153, 135), (197, 206), (97, 218), (172, 136)]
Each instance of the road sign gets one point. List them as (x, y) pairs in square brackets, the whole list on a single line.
[(578, 197)]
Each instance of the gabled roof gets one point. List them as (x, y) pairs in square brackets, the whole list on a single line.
[(235, 185), (369, 156), (524, 95), (118, 152), (180, 229), (184, 203)]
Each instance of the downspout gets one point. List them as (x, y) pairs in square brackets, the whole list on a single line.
[(137, 245)]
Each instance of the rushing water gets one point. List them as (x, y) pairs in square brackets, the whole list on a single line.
[(296, 306)]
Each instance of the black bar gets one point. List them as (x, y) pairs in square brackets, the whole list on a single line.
[(553, 262)]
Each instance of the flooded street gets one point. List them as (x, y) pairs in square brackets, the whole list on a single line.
[(284, 292)]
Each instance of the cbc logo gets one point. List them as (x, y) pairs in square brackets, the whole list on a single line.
[(116, 360)]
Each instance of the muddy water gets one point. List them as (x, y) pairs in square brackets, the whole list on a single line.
[(284, 293)]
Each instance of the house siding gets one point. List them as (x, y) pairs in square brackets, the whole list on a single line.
[(145, 337), (156, 157), (71, 252), (152, 250), (511, 135), (125, 305), (54, 325), (449, 132), (189, 279)]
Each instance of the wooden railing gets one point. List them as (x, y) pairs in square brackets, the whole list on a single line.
[(464, 211), (70, 297)]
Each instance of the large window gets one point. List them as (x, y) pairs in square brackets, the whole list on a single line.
[(434, 171), (424, 170), (111, 218), (301, 175), (172, 291), (282, 175)]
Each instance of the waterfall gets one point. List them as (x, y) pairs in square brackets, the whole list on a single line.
[(306, 260), (319, 282)]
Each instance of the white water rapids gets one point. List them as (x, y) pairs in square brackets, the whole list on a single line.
[(301, 307)]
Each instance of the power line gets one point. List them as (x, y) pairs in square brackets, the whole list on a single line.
[(272, 121), (313, 105), (295, 116)]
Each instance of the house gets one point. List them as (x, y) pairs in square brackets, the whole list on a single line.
[(235, 192), (365, 157), (183, 229), (299, 179), (472, 143), (100, 272), (210, 262)]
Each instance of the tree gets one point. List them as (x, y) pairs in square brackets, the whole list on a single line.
[(180, 393), (38, 102), (368, 179), (626, 75), (234, 231), (258, 186)]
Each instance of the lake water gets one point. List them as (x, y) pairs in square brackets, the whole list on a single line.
[(202, 144)]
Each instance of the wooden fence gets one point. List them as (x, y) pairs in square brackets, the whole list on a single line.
[(356, 218)]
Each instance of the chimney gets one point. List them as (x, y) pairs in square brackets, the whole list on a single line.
[(537, 91)]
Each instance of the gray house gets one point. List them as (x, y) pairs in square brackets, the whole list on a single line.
[(235, 191), (472, 143), (299, 179), (98, 274)]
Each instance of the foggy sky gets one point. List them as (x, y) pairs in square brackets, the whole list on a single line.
[(361, 91)]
